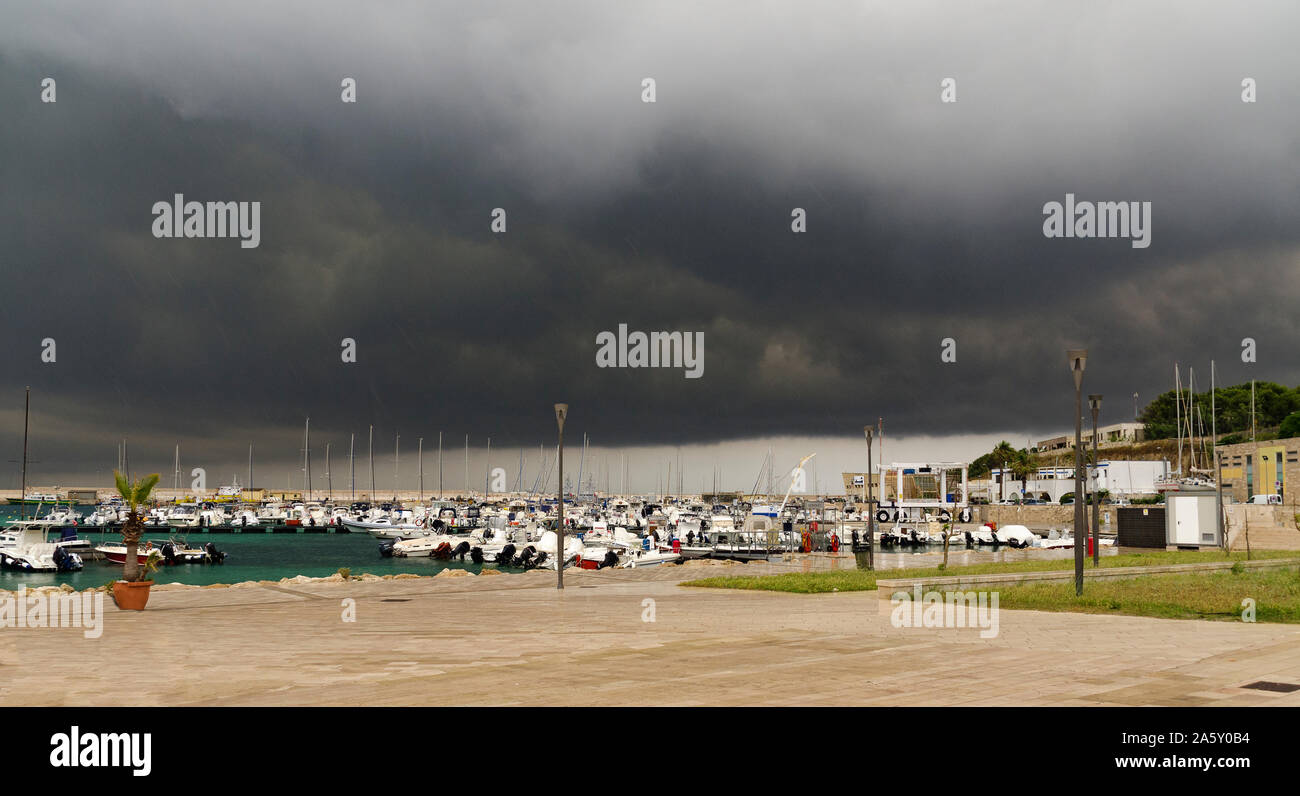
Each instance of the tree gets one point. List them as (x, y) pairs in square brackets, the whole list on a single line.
[(1290, 426), (1002, 455), (1273, 403), (134, 495), (1023, 466), (981, 467)]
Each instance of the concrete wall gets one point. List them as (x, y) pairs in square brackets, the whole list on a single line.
[(1043, 516)]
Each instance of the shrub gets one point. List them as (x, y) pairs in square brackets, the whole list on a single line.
[(1290, 426)]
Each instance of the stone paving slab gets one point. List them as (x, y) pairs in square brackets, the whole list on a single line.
[(515, 640)]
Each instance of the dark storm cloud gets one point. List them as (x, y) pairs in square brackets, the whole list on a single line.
[(924, 219)]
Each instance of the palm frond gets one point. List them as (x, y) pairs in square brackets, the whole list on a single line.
[(144, 486), (123, 486)]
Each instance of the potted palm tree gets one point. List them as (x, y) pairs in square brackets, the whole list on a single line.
[(132, 591)]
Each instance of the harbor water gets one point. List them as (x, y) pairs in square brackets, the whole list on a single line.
[(249, 556)]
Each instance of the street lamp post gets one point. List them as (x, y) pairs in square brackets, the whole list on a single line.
[(1218, 497), (871, 512), (1078, 358), (561, 412), (1094, 403)]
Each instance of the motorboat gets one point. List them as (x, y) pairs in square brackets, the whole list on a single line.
[(170, 551), (183, 516), (385, 529), (26, 547), (648, 558), (245, 518), (442, 546), (1010, 535), (573, 547)]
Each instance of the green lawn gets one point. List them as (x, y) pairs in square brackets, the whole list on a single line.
[(865, 580), (1204, 595)]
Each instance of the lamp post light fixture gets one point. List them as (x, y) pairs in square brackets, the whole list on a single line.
[(871, 512), (561, 412), (1078, 359), (1094, 403)]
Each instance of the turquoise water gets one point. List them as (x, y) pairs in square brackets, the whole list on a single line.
[(249, 556)]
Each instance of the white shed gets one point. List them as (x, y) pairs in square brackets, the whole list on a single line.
[(1191, 518)]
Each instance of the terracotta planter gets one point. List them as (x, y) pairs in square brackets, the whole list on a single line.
[(131, 596)]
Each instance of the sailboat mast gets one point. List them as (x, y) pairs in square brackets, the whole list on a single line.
[(306, 461), (1214, 429), (27, 411), (420, 458), (352, 464), (1191, 428), (372, 463), (329, 476), (1178, 417)]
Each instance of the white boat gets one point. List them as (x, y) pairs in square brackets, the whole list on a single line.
[(441, 546), (1016, 536), (573, 547), (182, 517), (648, 558), (25, 546), (385, 529), (245, 518)]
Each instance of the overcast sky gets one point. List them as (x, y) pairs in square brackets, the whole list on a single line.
[(924, 222)]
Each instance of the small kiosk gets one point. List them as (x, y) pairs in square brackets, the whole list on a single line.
[(1191, 518)]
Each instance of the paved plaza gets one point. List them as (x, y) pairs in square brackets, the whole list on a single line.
[(516, 640)]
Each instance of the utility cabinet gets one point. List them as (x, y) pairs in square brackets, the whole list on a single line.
[(1191, 518)]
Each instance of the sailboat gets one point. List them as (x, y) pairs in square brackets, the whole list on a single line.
[(25, 544)]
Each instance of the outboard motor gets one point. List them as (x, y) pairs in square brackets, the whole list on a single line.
[(168, 553), (507, 555), (611, 560), (476, 554), (61, 559), (525, 558), (541, 559), (215, 556), (386, 549), (460, 551)]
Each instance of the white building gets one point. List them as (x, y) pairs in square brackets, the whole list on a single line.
[(1119, 478)]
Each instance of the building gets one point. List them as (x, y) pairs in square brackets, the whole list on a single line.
[(1107, 436), (855, 485), (1266, 467), (83, 497), (1048, 484)]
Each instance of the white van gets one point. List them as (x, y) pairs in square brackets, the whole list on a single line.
[(1266, 500)]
